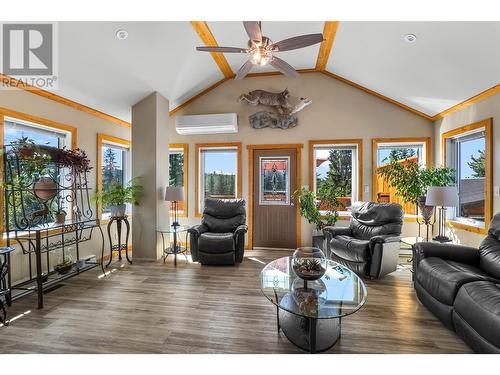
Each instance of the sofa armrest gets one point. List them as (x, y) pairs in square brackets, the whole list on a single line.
[(330, 232), (385, 238), (446, 251), (241, 229), (197, 230)]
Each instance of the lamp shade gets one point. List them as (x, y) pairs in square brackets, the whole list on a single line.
[(444, 196), (174, 194)]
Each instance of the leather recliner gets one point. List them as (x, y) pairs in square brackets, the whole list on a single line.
[(370, 245), (461, 286), (220, 239)]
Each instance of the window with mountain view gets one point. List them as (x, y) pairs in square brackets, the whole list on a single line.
[(218, 173)]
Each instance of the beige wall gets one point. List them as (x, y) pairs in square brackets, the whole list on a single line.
[(87, 125), (338, 111), (488, 108)]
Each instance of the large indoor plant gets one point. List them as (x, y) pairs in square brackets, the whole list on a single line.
[(116, 196), (309, 205), (411, 181)]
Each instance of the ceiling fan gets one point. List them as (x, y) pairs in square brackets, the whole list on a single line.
[(261, 49)]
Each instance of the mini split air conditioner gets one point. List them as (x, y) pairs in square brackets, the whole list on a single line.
[(207, 124)]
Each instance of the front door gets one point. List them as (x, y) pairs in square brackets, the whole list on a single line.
[(274, 212)]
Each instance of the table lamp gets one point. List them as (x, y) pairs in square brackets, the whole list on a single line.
[(174, 194), (442, 196)]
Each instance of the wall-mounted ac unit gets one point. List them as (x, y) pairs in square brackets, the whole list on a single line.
[(207, 124)]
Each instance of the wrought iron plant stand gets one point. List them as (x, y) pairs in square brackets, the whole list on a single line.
[(29, 212)]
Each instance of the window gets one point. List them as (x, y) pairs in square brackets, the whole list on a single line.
[(113, 161), (404, 150), (16, 126), (178, 162), (218, 172), (338, 162), (467, 150)]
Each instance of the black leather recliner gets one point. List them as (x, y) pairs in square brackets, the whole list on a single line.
[(220, 239), (461, 286), (370, 245)]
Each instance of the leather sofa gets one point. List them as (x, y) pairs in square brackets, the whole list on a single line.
[(461, 286), (220, 239), (370, 245)]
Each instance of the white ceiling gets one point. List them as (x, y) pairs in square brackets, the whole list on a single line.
[(449, 62)]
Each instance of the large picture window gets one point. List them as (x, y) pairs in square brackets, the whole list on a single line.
[(337, 163), (403, 150), (113, 165), (178, 162), (19, 127), (218, 172), (467, 150)]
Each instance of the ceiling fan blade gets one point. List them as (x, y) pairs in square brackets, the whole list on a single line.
[(222, 49), (283, 67), (297, 42), (243, 71), (253, 30)]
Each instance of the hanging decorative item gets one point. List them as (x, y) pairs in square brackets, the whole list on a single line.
[(284, 116)]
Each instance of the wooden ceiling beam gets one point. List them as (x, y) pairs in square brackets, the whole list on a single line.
[(208, 39), (329, 32)]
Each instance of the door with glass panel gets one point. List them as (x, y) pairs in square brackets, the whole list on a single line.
[(274, 212)]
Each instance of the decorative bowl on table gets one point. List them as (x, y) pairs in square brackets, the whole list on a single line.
[(309, 263)]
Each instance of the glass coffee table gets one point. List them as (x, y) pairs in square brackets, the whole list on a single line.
[(309, 313)]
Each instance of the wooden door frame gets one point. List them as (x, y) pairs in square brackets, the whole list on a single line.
[(298, 147)]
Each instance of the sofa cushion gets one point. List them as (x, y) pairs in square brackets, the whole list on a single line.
[(350, 248), (216, 243), (478, 303), (374, 219), (489, 256), (443, 278)]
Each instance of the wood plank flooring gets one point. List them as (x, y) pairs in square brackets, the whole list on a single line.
[(159, 308)]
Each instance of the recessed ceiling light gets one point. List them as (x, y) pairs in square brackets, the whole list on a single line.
[(122, 34), (410, 38)]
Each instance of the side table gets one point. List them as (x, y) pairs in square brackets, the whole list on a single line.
[(175, 247), (119, 247), (5, 289)]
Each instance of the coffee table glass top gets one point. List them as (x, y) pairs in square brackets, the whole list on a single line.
[(338, 293), (179, 229)]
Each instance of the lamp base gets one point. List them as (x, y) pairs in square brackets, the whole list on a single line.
[(441, 239), (175, 224)]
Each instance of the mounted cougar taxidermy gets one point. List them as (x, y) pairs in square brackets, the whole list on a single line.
[(283, 117)]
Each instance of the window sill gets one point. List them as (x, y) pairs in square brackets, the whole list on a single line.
[(467, 227)]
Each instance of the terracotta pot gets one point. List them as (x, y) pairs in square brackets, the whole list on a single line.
[(45, 188), (118, 211), (60, 218), (425, 211)]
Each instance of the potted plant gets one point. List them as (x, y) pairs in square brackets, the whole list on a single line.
[(412, 181), (60, 216), (116, 196), (310, 209)]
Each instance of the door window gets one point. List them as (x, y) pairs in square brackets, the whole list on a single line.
[(274, 187)]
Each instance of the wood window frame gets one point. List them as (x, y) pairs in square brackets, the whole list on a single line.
[(185, 150), (352, 141), (5, 112), (298, 219), (376, 141), (198, 147), (103, 139), (487, 124)]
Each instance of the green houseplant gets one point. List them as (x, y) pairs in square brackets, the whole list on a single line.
[(116, 196), (411, 181)]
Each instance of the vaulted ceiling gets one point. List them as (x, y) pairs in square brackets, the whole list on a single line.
[(448, 63)]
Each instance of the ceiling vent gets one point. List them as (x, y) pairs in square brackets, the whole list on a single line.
[(207, 124)]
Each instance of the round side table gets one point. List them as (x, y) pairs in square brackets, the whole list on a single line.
[(172, 247)]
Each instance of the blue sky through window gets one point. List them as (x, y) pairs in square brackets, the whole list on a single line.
[(224, 161), (13, 134), (468, 149)]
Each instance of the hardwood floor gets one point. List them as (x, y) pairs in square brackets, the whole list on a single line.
[(159, 308)]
